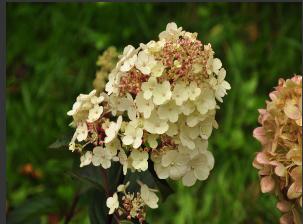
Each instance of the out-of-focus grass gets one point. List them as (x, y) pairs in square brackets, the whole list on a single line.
[(51, 54)]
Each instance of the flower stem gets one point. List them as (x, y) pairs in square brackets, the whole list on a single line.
[(72, 210)]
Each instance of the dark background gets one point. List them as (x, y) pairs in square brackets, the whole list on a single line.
[(51, 57)]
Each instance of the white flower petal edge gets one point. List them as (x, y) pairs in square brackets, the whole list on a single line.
[(149, 197), (112, 203)]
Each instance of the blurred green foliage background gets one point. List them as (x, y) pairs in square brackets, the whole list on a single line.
[(51, 57)]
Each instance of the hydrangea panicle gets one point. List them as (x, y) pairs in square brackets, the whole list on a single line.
[(280, 161), (159, 106)]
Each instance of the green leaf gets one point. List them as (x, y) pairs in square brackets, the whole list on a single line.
[(115, 176), (31, 209), (126, 222), (97, 210), (90, 175), (61, 142)]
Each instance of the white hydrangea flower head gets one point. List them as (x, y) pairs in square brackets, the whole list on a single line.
[(159, 107)]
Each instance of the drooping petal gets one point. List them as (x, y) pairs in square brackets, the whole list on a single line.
[(267, 184)]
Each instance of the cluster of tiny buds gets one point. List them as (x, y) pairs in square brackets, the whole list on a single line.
[(145, 149), (97, 132), (131, 82), (165, 144), (180, 56), (131, 203), (167, 141)]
